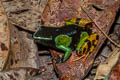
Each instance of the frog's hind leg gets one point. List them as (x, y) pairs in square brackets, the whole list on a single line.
[(78, 58), (88, 53), (83, 37), (83, 61), (88, 46), (83, 46), (83, 49), (84, 56)]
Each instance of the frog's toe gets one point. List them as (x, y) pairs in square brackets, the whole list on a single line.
[(64, 59), (78, 58)]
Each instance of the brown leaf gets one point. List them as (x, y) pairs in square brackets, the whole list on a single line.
[(56, 11), (104, 68), (115, 73), (4, 37), (23, 50), (26, 13), (19, 73)]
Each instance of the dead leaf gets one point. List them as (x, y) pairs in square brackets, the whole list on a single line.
[(23, 51), (4, 37), (19, 73), (26, 13), (104, 68), (115, 73), (56, 11)]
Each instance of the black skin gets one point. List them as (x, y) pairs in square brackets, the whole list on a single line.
[(73, 31)]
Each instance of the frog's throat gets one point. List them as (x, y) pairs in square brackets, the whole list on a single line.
[(67, 50), (84, 36)]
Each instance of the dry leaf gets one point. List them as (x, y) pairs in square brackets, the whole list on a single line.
[(54, 15), (18, 73), (25, 13), (23, 51), (115, 73), (4, 37), (104, 68)]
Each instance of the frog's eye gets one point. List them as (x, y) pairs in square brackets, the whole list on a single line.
[(80, 50)]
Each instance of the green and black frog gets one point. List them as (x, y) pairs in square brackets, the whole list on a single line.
[(74, 35)]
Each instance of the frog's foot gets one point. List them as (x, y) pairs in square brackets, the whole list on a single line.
[(84, 56), (78, 58), (84, 59)]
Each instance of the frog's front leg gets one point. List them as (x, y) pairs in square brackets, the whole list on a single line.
[(67, 50), (63, 42)]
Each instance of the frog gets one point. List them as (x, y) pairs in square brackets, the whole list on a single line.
[(69, 37)]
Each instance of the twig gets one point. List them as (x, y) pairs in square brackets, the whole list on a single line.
[(43, 52)]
